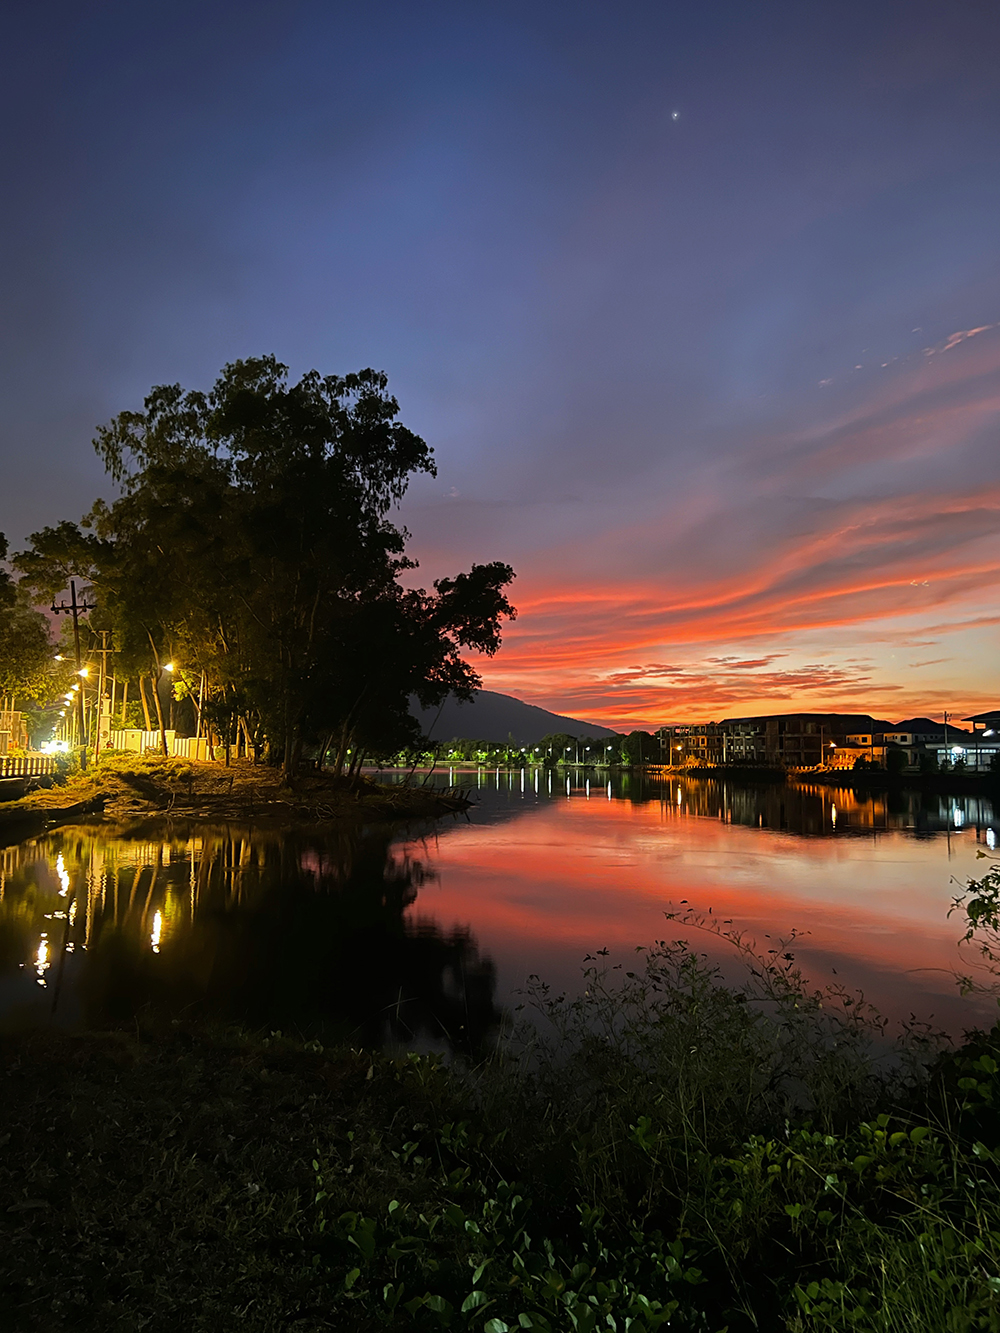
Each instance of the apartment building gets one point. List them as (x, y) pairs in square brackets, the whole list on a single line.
[(830, 740)]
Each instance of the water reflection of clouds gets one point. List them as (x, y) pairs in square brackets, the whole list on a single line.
[(571, 876), (244, 918)]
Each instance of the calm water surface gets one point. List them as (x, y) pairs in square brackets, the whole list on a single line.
[(425, 933)]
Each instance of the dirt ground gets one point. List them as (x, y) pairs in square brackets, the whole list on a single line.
[(128, 785)]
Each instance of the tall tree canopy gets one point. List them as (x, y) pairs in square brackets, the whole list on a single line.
[(25, 646), (251, 540)]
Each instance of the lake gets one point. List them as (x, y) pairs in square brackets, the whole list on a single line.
[(424, 934)]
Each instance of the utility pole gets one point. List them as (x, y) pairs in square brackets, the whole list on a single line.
[(946, 736), (77, 608)]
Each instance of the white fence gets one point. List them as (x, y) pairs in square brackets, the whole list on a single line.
[(190, 747), (26, 765), (181, 747)]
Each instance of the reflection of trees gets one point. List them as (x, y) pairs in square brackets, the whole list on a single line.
[(296, 931), (807, 808), (802, 807)]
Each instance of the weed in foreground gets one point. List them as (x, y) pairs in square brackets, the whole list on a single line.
[(666, 1151)]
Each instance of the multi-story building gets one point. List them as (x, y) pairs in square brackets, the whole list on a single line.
[(831, 740), (806, 740), (709, 743)]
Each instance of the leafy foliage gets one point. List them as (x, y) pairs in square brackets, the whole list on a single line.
[(251, 541), (639, 747), (616, 1187), (25, 647)]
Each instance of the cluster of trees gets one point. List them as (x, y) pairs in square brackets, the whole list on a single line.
[(25, 654), (251, 546), (638, 747)]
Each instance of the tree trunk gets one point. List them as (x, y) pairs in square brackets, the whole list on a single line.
[(345, 740), (145, 705), (200, 704), (324, 751), (293, 750), (159, 716)]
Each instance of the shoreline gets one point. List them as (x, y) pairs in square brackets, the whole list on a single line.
[(125, 788), (945, 784)]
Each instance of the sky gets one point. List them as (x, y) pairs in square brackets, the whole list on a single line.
[(697, 303)]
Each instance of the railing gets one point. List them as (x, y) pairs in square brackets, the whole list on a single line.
[(26, 765)]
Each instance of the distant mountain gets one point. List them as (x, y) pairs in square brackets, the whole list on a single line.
[(495, 717)]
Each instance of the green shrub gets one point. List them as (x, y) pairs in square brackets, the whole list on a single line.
[(666, 1150)]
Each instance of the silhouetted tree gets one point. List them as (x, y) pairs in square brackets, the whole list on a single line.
[(251, 541), (639, 747), (25, 646)]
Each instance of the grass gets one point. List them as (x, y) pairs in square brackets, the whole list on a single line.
[(665, 1151), (133, 786)]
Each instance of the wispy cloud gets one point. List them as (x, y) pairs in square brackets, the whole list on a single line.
[(961, 336), (802, 546)]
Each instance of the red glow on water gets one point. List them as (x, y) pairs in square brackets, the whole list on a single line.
[(566, 879)]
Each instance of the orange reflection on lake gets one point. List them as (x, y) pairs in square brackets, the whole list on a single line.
[(547, 882)]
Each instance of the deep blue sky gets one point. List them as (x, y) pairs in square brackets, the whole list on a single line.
[(673, 290)]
